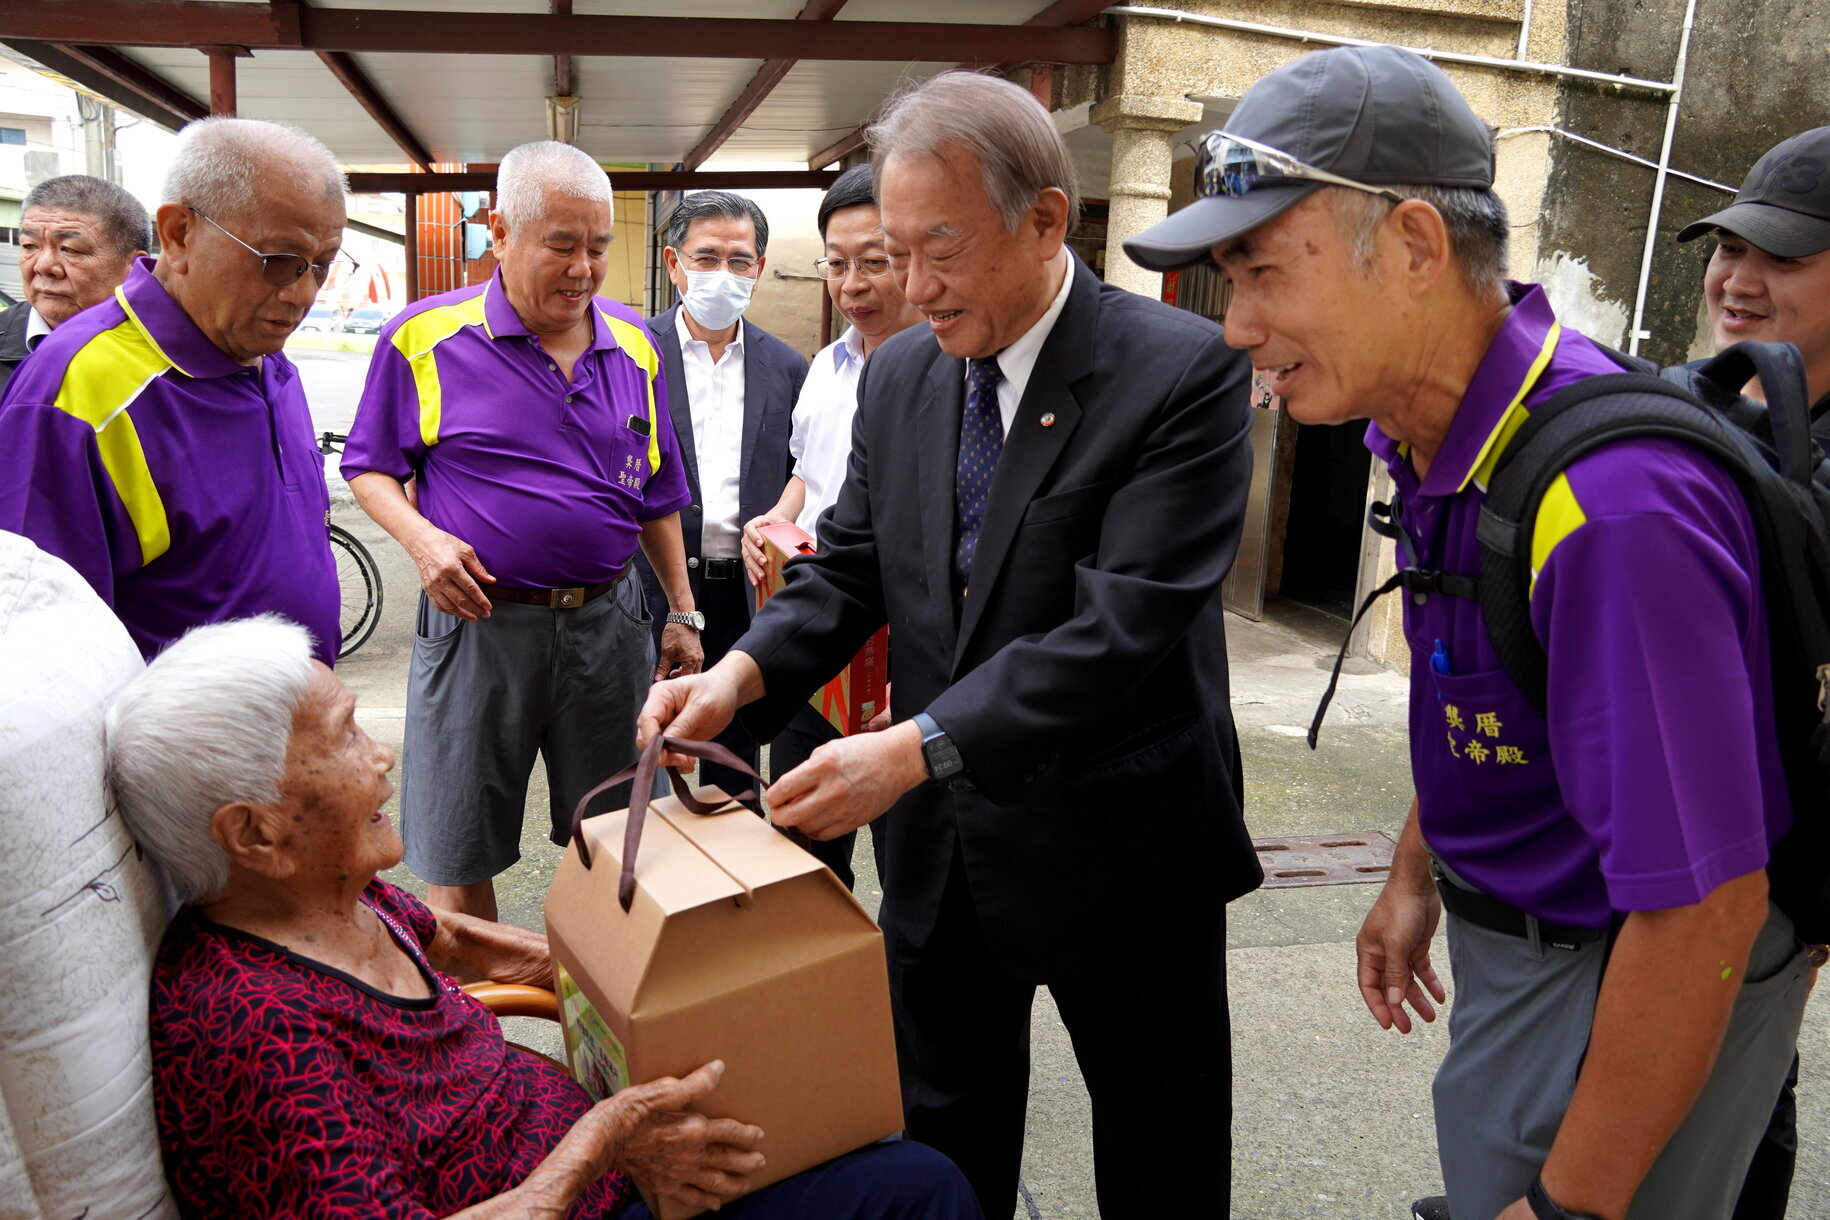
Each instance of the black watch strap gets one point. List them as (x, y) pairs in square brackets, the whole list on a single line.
[(937, 750), (1545, 1208)]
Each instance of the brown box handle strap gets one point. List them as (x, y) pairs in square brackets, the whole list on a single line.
[(643, 775)]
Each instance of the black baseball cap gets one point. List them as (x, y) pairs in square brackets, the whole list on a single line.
[(1784, 206), (1380, 116)]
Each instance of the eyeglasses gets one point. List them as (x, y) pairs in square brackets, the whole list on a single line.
[(1231, 166), (739, 264), (285, 270), (839, 268)]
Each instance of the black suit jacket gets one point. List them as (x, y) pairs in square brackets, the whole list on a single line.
[(1084, 680), (772, 377), (12, 340)]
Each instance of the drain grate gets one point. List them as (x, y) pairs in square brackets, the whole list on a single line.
[(1341, 859)]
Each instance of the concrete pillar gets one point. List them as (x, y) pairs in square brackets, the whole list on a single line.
[(1143, 130)]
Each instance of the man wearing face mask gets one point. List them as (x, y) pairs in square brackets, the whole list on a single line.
[(731, 387)]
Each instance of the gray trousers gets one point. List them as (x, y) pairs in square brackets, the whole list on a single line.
[(484, 698), (1518, 1031)]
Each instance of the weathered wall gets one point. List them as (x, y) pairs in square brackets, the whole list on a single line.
[(1756, 74)]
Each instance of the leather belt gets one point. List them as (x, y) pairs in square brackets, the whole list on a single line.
[(720, 569), (1498, 915), (568, 598)]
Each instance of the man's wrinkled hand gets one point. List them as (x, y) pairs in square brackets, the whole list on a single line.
[(672, 1151), (754, 560), (449, 571), (1393, 950), (682, 653), (848, 782), (694, 708)]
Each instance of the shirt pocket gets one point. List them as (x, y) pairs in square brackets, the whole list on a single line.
[(1489, 744)]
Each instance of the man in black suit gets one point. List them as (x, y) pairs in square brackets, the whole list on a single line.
[(1045, 492), (77, 238), (731, 387)]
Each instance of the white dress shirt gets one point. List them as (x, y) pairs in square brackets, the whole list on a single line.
[(821, 440), (714, 395), (36, 328), (1018, 360)]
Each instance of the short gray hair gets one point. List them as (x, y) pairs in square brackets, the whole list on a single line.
[(221, 161), (123, 220), (530, 172), (1475, 217), (205, 726), (1002, 125), (714, 205)]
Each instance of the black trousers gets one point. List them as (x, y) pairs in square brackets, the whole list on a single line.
[(1769, 1178), (1150, 1030), (726, 605), (806, 732)]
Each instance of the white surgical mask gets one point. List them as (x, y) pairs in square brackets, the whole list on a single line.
[(717, 298)]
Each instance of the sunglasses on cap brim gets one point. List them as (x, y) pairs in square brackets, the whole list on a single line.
[(1230, 166)]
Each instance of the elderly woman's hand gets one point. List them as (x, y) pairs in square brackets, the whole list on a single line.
[(471, 950), (698, 1161)]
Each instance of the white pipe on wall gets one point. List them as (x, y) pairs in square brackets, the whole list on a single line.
[(1638, 330)]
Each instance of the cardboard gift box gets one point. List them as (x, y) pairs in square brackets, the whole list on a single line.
[(736, 945), (850, 700)]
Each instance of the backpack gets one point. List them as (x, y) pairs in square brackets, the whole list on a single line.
[(1768, 449)]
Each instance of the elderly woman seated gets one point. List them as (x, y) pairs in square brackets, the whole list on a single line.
[(311, 1057)]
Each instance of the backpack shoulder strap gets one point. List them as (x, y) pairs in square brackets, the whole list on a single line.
[(1577, 420)]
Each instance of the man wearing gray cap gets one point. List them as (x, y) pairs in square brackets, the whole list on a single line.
[(1769, 277), (1627, 1000)]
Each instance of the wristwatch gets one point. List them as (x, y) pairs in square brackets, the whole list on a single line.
[(937, 750), (687, 618), (1545, 1208)]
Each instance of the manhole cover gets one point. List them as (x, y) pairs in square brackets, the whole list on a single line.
[(1340, 859)]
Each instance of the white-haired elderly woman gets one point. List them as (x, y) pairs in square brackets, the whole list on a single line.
[(311, 1058)]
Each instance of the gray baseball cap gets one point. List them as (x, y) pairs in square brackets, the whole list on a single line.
[(1377, 115), (1784, 206)]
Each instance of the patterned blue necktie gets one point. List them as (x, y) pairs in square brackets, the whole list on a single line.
[(981, 440)]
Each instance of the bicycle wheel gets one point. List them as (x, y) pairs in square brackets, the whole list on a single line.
[(359, 580)]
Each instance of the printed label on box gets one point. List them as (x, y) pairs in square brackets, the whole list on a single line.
[(598, 1061)]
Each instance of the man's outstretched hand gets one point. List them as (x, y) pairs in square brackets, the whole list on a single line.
[(697, 707)]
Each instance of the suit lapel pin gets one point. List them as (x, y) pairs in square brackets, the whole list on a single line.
[(1048, 420)]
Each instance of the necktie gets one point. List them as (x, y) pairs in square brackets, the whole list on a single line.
[(981, 440)]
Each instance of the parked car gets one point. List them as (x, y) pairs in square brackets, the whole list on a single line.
[(321, 318), (365, 321)]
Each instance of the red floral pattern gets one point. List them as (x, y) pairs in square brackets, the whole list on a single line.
[(287, 1089)]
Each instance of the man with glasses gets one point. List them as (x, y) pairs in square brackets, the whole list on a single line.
[(1043, 496), (78, 237), (1627, 999), (859, 285), (731, 387), (159, 442)]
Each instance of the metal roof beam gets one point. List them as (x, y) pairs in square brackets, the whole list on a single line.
[(622, 180), (759, 88), (117, 78), (1060, 13), (344, 67), (562, 64), (165, 23)]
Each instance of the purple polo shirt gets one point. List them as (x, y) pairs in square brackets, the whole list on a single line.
[(549, 481), (1657, 777), (185, 487)]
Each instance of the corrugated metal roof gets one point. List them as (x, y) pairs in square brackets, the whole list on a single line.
[(473, 108)]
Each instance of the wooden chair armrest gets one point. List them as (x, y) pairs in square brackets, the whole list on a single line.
[(516, 1000)]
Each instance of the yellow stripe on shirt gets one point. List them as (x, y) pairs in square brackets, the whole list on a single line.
[(635, 341), (102, 380), (416, 339), (1559, 516)]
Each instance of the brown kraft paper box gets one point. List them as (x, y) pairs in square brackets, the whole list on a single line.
[(854, 696), (737, 946)]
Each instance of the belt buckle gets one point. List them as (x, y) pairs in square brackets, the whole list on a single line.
[(566, 599)]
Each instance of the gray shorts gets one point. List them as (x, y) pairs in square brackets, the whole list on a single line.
[(1518, 1031), (483, 698)]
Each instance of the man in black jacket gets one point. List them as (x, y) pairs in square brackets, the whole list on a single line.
[(1045, 492), (77, 237)]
